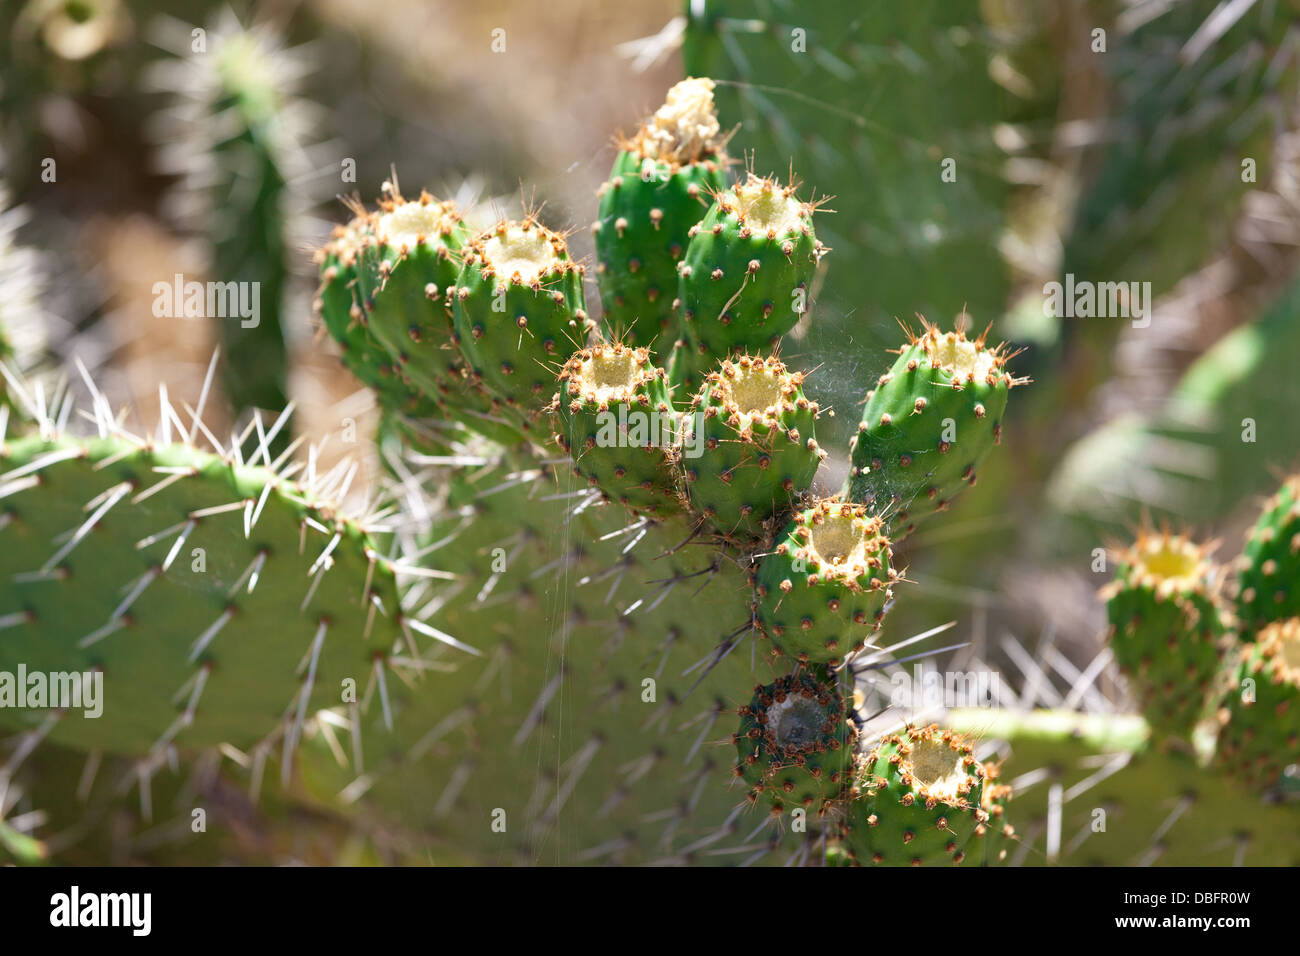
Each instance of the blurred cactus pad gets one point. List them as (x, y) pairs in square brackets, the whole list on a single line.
[(684, 461)]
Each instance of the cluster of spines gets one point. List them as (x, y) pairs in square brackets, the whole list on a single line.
[(928, 424)]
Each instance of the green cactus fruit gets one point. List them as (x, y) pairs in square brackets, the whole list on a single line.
[(745, 278), (824, 588), (618, 424), (795, 743), (218, 599), (518, 310), (1166, 628), (1269, 586), (661, 185), (337, 308), (1259, 734), (405, 257), (927, 426), (752, 446), (918, 801), (993, 836)]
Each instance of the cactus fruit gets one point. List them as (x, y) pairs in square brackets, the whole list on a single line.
[(617, 423), (824, 588), (519, 310), (745, 277), (996, 833), (663, 180), (1259, 733), (156, 536), (928, 424), (796, 743), (1166, 628), (919, 800), (1269, 586), (343, 317), (756, 446)]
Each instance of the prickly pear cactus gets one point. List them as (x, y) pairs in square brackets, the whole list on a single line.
[(1260, 715), (519, 309), (928, 424), (1166, 628), (157, 537), (754, 440), (746, 274), (663, 180), (1269, 587), (920, 800)]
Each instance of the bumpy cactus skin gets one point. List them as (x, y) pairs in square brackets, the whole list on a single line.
[(409, 259), (661, 185), (824, 588), (919, 801), (796, 743), (519, 311), (756, 446), (337, 307), (1259, 734), (200, 592), (1269, 588), (1166, 628), (745, 276), (927, 425), (618, 424)]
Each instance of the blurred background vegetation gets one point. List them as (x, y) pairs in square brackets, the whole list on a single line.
[(1114, 140)]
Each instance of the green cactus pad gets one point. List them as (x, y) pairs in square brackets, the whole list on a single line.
[(618, 424), (752, 448), (823, 589), (927, 426), (1091, 792), (795, 743), (918, 801), (661, 185), (1259, 732), (209, 593), (745, 277), (337, 309), (518, 310), (1269, 587), (1166, 629)]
